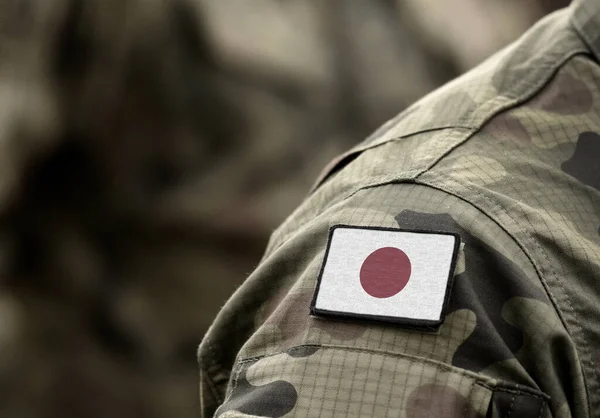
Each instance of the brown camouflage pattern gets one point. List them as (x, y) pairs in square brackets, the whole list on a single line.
[(507, 157)]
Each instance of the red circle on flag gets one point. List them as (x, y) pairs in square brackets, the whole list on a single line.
[(385, 272)]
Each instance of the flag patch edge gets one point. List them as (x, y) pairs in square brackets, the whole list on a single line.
[(402, 322)]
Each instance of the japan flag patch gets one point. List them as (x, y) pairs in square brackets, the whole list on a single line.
[(386, 276)]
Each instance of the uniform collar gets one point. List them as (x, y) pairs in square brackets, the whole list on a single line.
[(586, 20)]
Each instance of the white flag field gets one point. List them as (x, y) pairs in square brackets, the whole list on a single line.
[(386, 274)]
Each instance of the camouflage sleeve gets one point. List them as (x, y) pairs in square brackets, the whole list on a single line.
[(500, 352)]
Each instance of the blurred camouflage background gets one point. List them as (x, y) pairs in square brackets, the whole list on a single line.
[(149, 147)]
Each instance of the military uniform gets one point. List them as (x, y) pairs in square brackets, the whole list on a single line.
[(506, 157)]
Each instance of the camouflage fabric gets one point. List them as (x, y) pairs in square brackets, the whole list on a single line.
[(131, 134), (507, 157)]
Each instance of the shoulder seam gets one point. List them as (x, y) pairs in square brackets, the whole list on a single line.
[(549, 293), (511, 104), (424, 183), (472, 121), (530, 258)]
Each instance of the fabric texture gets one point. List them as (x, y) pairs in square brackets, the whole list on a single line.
[(507, 158)]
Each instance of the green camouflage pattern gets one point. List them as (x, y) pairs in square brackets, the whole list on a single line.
[(507, 157), (148, 148)]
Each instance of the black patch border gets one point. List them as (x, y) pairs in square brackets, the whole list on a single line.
[(423, 324)]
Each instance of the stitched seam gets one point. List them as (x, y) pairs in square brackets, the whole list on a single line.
[(576, 326), (552, 65), (512, 404), (547, 73), (235, 382), (514, 388), (541, 396), (515, 102), (515, 240), (478, 194), (510, 104), (541, 409), (468, 399), (476, 378), (280, 241), (440, 366), (423, 183), (361, 149)]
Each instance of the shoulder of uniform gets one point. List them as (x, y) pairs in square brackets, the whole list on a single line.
[(464, 105), (417, 139)]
